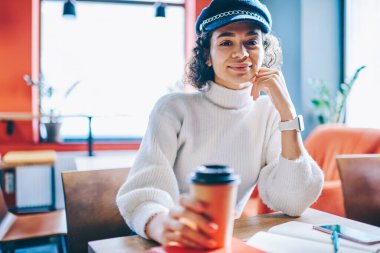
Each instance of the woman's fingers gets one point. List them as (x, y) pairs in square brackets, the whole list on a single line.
[(275, 75), (264, 70), (264, 84), (255, 93), (260, 84), (201, 223), (187, 224), (175, 237), (181, 233), (272, 79), (272, 82), (192, 204)]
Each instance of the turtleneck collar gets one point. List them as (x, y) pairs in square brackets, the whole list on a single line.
[(227, 98)]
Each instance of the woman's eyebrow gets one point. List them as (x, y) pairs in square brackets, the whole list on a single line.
[(252, 32), (231, 34), (225, 34)]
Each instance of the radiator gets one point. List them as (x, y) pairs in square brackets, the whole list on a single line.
[(33, 183), (33, 186)]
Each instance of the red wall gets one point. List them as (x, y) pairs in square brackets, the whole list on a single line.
[(20, 55), (192, 9)]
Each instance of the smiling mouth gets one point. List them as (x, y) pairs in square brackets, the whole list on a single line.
[(240, 67)]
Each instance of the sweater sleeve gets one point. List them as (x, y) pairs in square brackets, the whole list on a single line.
[(285, 185), (151, 186)]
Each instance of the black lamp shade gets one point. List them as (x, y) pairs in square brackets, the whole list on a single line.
[(160, 10), (69, 8)]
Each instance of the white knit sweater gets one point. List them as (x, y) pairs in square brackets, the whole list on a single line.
[(219, 126)]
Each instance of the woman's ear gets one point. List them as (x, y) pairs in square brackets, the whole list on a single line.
[(208, 62)]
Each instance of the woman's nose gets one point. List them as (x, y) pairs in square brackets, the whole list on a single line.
[(240, 52)]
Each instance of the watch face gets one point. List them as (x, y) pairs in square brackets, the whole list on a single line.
[(300, 123)]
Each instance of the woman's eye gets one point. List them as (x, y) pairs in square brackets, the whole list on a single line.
[(252, 42), (226, 43)]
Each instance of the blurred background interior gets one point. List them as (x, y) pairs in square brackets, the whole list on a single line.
[(79, 78)]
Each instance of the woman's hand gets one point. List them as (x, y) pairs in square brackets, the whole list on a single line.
[(272, 82), (185, 224)]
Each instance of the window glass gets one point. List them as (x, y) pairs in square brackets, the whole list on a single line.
[(123, 57), (362, 48)]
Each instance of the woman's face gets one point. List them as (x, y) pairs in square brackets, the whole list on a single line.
[(236, 54)]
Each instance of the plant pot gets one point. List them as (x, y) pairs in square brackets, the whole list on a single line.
[(52, 131)]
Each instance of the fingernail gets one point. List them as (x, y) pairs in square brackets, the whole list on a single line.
[(214, 225), (200, 206), (212, 243)]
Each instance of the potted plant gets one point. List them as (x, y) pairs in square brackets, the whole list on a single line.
[(52, 100), (330, 108)]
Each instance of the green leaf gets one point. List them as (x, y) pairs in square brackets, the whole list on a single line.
[(328, 104), (316, 102), (321, 119), (342, 101)]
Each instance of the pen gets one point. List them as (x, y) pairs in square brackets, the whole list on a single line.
[(335, 240)]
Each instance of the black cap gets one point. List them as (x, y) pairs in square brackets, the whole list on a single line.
[(223, 12), (214, 174)]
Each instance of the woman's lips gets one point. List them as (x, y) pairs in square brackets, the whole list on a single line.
[(240, 67)]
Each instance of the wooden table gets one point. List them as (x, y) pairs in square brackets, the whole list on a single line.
[(244, 229), (106, 162)]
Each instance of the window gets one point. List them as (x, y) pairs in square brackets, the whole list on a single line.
[(123, 56), (362, 43)]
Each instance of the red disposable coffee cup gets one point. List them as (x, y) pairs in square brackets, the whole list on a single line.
[(216, 185)]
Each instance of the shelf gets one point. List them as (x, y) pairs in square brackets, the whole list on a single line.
[(10, 117), (18, 116)]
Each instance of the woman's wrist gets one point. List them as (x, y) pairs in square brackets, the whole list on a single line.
[(286, 115), (154, 225)]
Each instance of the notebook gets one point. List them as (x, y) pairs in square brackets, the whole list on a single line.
[(238, 246), (297, 237)]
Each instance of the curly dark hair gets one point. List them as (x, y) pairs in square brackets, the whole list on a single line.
[(198, 72)]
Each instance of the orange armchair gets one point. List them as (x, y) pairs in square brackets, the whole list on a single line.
[(323, 144), (327, 141)]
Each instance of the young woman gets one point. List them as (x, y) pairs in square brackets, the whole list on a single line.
[(227, 122)]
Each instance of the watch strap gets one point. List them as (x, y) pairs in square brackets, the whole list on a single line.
[(294, 124)]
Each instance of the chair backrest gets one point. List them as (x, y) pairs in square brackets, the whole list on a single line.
[(6, 217), (3, 206), (327, 141), (360, 175), (91, 211)]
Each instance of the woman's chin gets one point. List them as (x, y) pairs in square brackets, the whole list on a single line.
[(235, 83), (241, 85)]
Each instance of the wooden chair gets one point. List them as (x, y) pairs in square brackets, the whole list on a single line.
[(360, 175), (19, 231), (92, 214)]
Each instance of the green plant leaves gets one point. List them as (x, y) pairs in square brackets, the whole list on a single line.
[(329, 109)]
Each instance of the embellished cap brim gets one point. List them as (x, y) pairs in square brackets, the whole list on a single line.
[(222, 21), (223, 12)]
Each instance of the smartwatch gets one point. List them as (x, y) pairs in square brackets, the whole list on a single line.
[(294, 124)]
